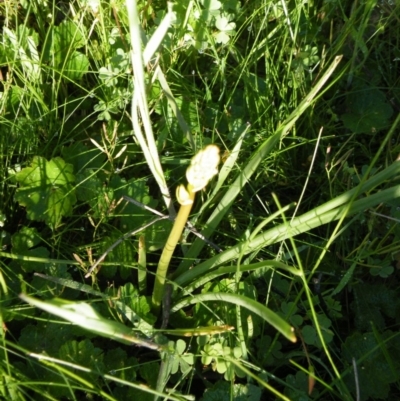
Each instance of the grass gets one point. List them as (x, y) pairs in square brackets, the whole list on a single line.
[(296, 296)]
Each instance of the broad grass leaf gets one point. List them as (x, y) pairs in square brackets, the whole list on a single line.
[(85, 316)]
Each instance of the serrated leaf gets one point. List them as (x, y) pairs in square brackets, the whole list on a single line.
[(82, 157), (374, 372), (25, 239), (39, 252), (62, 41), (136, 309), (70, 35), (118, 364), (88, 186), (133, 216), (367, 111), (122, 255), (76, 66), (149, 372), (82, 353), (45, 336), (46, 190)]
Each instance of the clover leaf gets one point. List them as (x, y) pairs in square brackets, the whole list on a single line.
[(211, 6), (46, 190), (225, 28)]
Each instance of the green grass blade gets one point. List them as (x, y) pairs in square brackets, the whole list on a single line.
[(200, 331), (252, 166), (226, 169), (158, 36), (142, 271), (122, 308), (139, 103), (257, 378), (326, 213), (174, 107), (265, 313), (83, 315), (211, 275)]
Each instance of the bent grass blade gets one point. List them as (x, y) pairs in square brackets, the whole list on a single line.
[(83, 315), (323, 214), (265, 313), (200, 331), (253, 164)]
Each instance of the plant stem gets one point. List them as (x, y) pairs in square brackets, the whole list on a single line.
[(168, 251)]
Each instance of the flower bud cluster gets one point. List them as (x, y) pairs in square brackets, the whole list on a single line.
[(203, 166)]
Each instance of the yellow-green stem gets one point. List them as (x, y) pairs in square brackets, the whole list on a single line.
[(168, 251)]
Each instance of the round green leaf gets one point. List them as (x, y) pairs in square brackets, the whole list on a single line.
[(46, 190)]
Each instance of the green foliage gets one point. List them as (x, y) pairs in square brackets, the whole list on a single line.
[(259, 80), (181, 361), (373, 304), (61, 49), (83, 352), (368, 110), (25, 242), (216, 354), (378, 359), (200, 24), (238, 392), (46, 190), (136, 308), (297, 387)]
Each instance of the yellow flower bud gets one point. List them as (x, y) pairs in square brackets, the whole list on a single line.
[(183, 195), (203, 167)]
